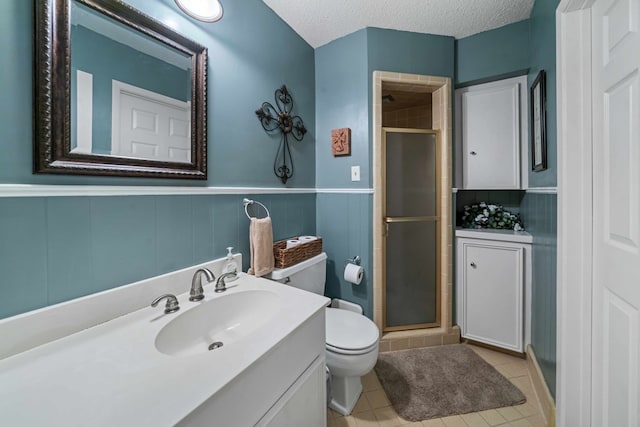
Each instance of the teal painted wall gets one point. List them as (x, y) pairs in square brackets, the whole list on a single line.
[(344, 222), (54, 249), (342, 101), (543, 57), (494, 54), (407, 52), (539, 212), (243, 71), (344, 71), (58, 248)]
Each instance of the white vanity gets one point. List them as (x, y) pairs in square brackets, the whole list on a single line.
[(493, 287), (151, 368)]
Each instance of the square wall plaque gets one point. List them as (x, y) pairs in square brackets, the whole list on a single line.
[(341, 142)]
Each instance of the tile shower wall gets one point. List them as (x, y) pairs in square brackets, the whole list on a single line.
[(539, 212), (415, 117), (58, 248)]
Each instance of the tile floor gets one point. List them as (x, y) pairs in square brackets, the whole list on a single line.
[(374, 410)]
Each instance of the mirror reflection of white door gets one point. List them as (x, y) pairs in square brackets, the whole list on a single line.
[(616, 213), (147, 125)]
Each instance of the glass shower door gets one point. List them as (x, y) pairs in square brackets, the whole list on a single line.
[(412, 224)]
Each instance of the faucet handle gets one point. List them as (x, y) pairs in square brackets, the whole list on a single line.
[(171, 305), (221, 286)]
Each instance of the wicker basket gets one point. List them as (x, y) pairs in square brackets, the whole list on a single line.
[(287, 257)]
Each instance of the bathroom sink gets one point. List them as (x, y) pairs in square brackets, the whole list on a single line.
[(217, 323)]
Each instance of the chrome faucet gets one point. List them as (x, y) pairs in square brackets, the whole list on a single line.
[(170, 306), (221, 286), (197, 293)]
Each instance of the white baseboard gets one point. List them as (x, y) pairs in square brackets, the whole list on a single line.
[(547, 404)]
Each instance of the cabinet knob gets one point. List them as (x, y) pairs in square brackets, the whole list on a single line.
[(473, 264), (473, 153)]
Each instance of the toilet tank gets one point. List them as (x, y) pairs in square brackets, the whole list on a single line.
[(309, 275)]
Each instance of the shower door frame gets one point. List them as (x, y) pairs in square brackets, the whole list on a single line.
[(441, 89), (387, 220)]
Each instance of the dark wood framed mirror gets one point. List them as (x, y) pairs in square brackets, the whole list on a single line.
[(116, 93)]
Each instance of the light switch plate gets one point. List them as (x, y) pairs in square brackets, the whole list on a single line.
[(355, 173)]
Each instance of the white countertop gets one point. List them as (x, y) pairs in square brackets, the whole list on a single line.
[(112, 374), (493, 234)]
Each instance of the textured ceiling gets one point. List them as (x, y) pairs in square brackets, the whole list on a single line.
[(321, 21)]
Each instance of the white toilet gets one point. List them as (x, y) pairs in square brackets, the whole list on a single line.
[(351, 338)]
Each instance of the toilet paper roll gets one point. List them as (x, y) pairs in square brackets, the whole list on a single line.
[(305, 239), (292, 243), (353, 273)]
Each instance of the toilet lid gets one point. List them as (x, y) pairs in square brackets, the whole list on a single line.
[(348, 330)]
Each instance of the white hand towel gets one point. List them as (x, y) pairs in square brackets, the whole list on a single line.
[(261, 244)]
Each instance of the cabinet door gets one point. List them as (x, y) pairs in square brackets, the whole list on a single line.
[(304, 404), (492, 294), (490, 116)]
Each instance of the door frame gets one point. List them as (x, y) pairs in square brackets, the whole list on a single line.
[(441, 111), (383, 197), (575, 194)]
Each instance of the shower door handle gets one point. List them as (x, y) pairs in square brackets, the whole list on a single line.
[(398, 219), (394, 219)]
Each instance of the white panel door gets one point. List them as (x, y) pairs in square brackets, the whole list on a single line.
[(616, 214), (147, 125), (491, 137), (492, 293)]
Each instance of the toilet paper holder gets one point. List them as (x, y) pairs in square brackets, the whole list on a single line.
[(355, 260)]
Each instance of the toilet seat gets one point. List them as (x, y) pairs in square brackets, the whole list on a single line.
[(349, 333), (345, 352)]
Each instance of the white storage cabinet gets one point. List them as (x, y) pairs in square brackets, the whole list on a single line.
[(491, 135), (493, 288)]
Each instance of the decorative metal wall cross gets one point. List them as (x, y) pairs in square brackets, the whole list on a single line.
[(282, 119)]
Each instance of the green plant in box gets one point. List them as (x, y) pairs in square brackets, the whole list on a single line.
[(485, 215)]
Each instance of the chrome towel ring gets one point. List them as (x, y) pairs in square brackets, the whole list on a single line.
[(247, 202)]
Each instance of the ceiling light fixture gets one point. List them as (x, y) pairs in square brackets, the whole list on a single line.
[(202, 10)]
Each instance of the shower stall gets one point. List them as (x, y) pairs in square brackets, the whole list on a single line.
[(412, 210), (411, 173)]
